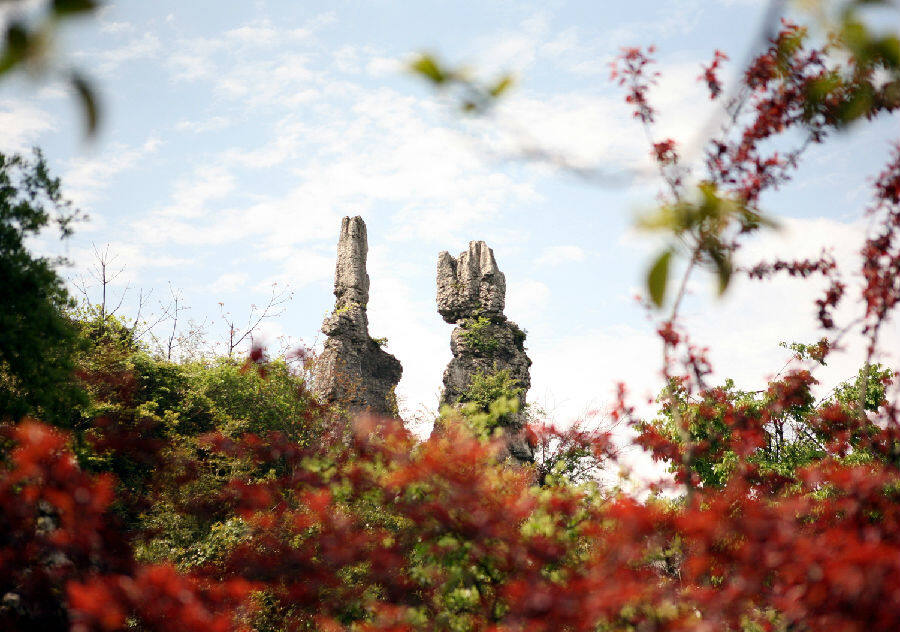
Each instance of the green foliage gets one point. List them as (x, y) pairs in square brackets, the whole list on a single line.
[(194, 397), (174, 405), (700, 223), (703, 421), (27, 43), (803, 351), (486, 388), (490, 399), (482, 422), (476, 97), (791, 440), (37, 341), (658, 277), (477, 334), (873, 380), (345, 308)]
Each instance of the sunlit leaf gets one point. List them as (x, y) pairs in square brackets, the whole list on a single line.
[(665, 217), (88, 103), (68, 7), (501, 86), (889, 50), (658, 277), (428, 67), (16, 44), (722, 263)]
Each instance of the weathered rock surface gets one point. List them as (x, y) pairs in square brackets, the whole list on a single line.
[(470, 285), (472, 293), (353, 370), (351, 281)]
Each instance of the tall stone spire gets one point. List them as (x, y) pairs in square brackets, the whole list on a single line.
[(351, 281), (486, 347), (353, 370)]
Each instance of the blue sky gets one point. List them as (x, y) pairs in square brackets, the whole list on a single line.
[(237, 134)]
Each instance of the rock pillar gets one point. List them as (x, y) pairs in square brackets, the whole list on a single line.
[(488, 349), (353, 370)]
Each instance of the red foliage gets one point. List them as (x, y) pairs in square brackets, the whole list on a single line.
[(881, 252), (710, 75), (630, 70), (159, 597), (64, 559)]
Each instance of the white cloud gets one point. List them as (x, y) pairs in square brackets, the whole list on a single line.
[(385, 66), (744, 329), (53, 91), (576, 371), (86, 177), (211, 124), (107, 61), (192, 195), (21, 124), (526, 299), (258, 62), (302, 267), (116, 28), (228, 283), (384, 148), (416, 334), (556, 255)]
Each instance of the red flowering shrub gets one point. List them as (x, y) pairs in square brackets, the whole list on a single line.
[(65, 561)]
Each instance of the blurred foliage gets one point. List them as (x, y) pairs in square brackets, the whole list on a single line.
[(28, 40), (473, 95), (698, 225)]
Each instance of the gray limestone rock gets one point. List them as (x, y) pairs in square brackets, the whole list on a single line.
[(353, 371), (470, 285), (471, 293), (351, 281)]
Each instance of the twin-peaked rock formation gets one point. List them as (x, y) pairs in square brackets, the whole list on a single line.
[(353, 370), (488, 350)]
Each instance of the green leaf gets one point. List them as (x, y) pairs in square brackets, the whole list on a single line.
[(428, 67), (889, 51), (88, 103), (658, 277), (17, 43), (722, 262), (504, 84), (69, 7)]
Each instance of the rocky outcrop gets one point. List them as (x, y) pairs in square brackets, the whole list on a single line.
[(488, 350), (353, 371)]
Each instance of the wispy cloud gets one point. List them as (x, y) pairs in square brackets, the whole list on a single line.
[(86, 177), (556, 255), (106, 62), (21, 124), (210, 124)]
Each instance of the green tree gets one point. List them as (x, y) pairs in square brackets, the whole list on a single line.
[(37, 340), (791, 439)]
